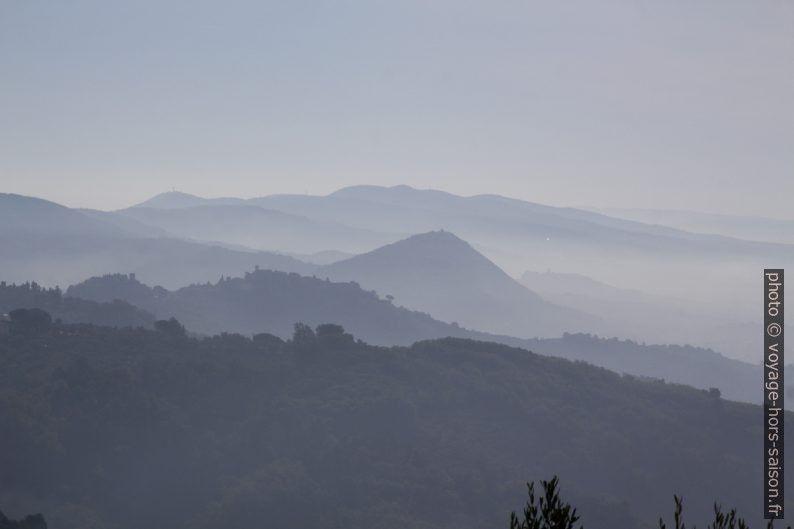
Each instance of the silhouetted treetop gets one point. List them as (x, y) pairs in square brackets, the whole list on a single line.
[(32, 521), (70, 309), (30, 321), (170, 326)]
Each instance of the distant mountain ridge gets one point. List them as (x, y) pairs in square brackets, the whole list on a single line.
[(258, 228), (443, 275), (349, 205), (25, 215), (177, 199), (637, 315), (519, 235), (55, 245), (420, 210), (749, 227), (515, 232)]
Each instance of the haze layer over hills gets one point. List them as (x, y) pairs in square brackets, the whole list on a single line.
[(271, 302), (258, 228), (177, 239), (441, 274), (275, 403), (278, 347), (55, 245), (752, 228), (520, 236), (648, 318)]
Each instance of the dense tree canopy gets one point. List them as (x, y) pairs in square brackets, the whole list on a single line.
[(271, 302), (29, 321), (130, 428), (33, 521), (114, 312)]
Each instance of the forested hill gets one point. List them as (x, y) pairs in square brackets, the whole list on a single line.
[(115, 313), (683, 364), (269, 301), (129, 428)]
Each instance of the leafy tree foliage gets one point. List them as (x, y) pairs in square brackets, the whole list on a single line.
[(333, 337), (268, 342), (722, 520), (549, 512)]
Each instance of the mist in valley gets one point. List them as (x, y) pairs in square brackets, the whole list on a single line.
[(382, 265)]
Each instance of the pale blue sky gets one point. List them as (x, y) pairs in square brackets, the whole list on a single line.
[(608, 103)]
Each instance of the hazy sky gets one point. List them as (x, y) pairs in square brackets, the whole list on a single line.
[(609, 103)]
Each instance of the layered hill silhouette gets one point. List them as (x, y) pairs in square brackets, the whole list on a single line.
[(494, 217), (177, 199), (754, 228), (637, 315), (272, 302), (443, 275), (326, 432), (21, 215), (485, 217), (257, 228), (54, 245), (478, 217), (520, 235), (115, 313)]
